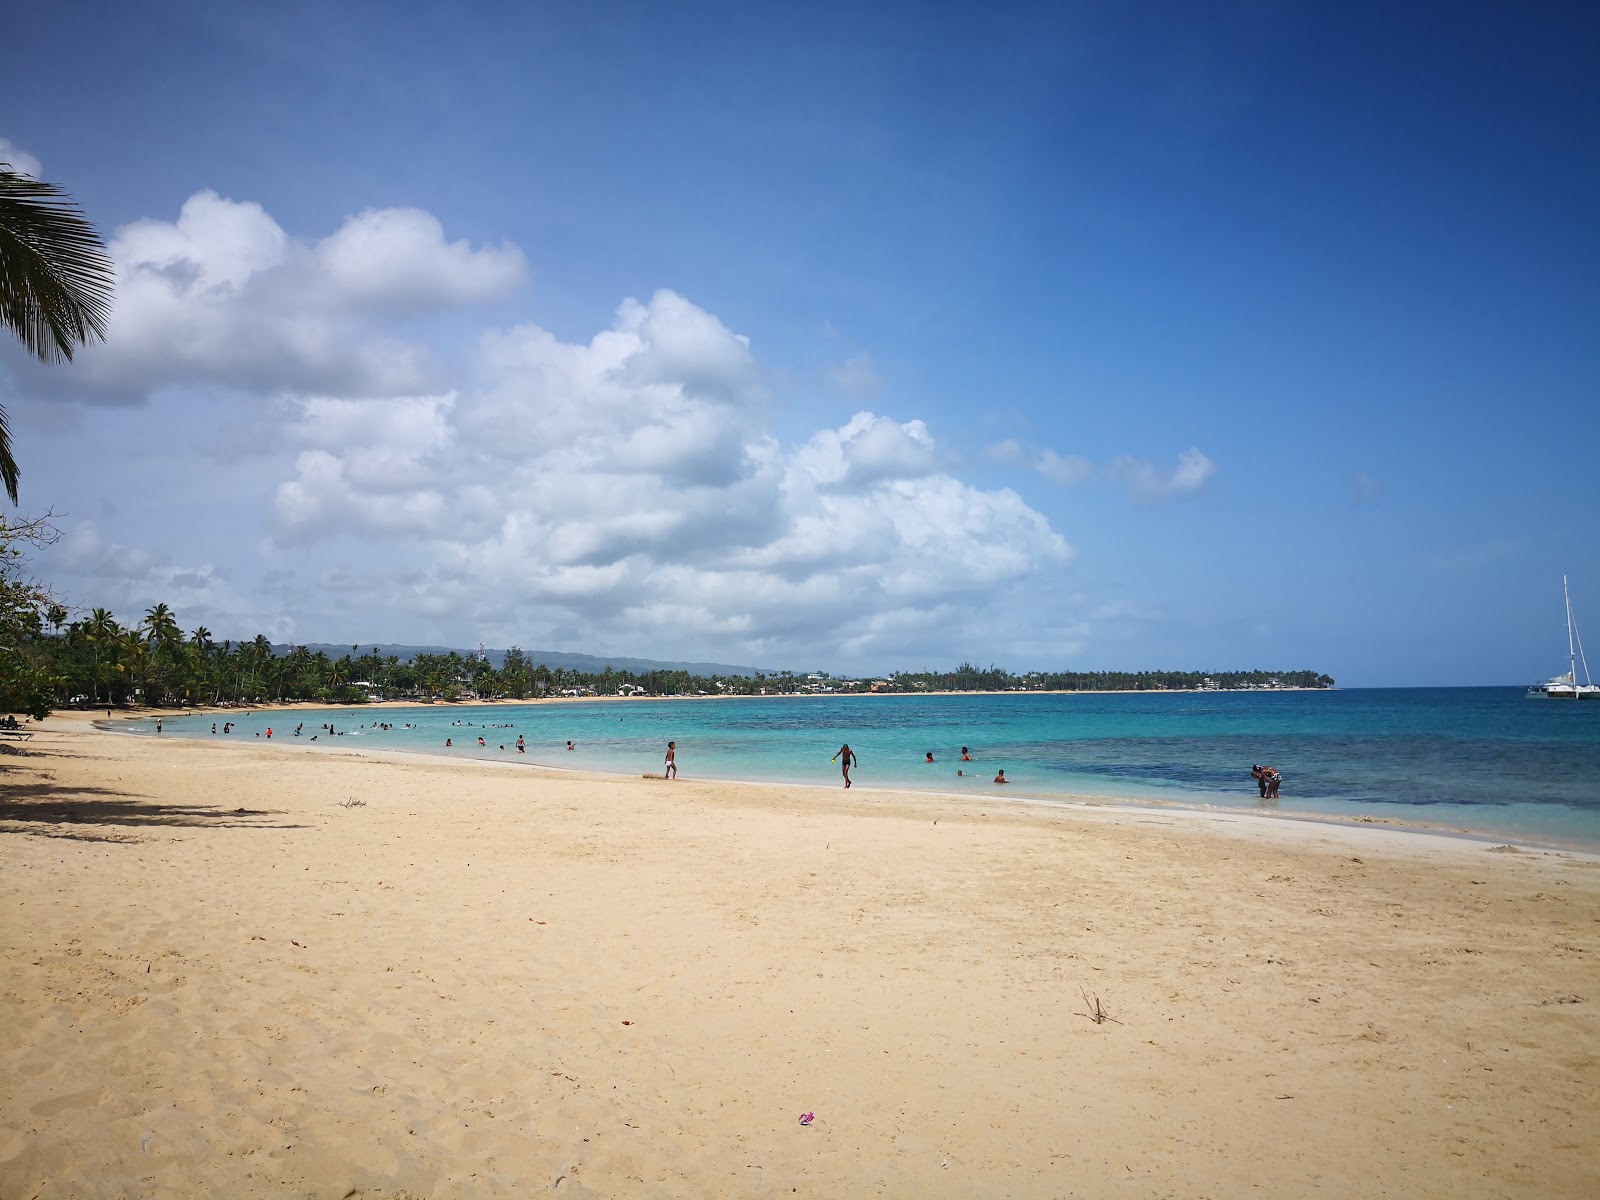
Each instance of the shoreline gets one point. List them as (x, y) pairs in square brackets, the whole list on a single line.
[(234, 970), (293, 705), (1087, 799)]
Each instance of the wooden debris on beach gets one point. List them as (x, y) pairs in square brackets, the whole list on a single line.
[(1097, 1012)]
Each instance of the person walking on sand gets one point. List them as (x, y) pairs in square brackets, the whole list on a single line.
[(847, 759), (672, 760)]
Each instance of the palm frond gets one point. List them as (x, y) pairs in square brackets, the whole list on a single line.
[(55, 281), (55, 277), (8, 465)]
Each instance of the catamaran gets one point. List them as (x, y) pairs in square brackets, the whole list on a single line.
[(1567, 687)]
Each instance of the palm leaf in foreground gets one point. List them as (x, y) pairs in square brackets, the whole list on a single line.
[(55, 281)]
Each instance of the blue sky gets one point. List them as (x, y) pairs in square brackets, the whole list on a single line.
[(847, 336)]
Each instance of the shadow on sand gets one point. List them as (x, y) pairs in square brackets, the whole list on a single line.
[(97, 814)]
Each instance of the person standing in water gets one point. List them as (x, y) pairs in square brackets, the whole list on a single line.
[(672, 760), (847, 759)]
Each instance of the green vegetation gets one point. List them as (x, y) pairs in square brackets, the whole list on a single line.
[(968, 678), (55, 281), (46, 661)]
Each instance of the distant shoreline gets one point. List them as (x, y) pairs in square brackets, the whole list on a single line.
[(302, 705)]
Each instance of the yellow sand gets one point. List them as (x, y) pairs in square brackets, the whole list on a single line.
[(253, 970)]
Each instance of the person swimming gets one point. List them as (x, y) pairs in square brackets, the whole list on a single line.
[(1000, 776)]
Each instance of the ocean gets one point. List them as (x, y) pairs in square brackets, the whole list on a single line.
[(1478, 760)]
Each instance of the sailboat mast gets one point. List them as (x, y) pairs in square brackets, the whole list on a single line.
[(1572, 654)]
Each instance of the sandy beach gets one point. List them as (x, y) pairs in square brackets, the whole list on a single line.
[(262, 970)]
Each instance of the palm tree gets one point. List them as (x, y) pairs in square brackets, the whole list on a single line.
[(130, 655), (55, 281), (100, 630), (160, 625)]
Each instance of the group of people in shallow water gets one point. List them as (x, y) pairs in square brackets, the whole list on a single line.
[(846, 757), (1267, 778)]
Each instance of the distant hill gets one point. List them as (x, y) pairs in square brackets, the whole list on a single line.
[(548, 658)]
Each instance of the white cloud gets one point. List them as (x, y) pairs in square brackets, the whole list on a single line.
[(21, 161), (867, 451), (1146, 480), (1008, 451), (1142, 478), (223, 296), (1066, 469), (398, 258), (84, 551), (627, 485), (128, 580), (624, 491)]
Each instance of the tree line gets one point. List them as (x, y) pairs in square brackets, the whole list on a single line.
[(48, 661)]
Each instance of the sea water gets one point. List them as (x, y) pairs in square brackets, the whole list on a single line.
[(1481, 760)]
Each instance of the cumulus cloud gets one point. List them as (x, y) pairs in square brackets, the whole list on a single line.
[(223, 296), (627, 485), (623, 491), (397, 258), (868, 450)]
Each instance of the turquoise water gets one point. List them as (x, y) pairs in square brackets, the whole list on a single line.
[(1484, 760)]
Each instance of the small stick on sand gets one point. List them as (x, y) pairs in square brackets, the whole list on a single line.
[(1097, 1014)]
